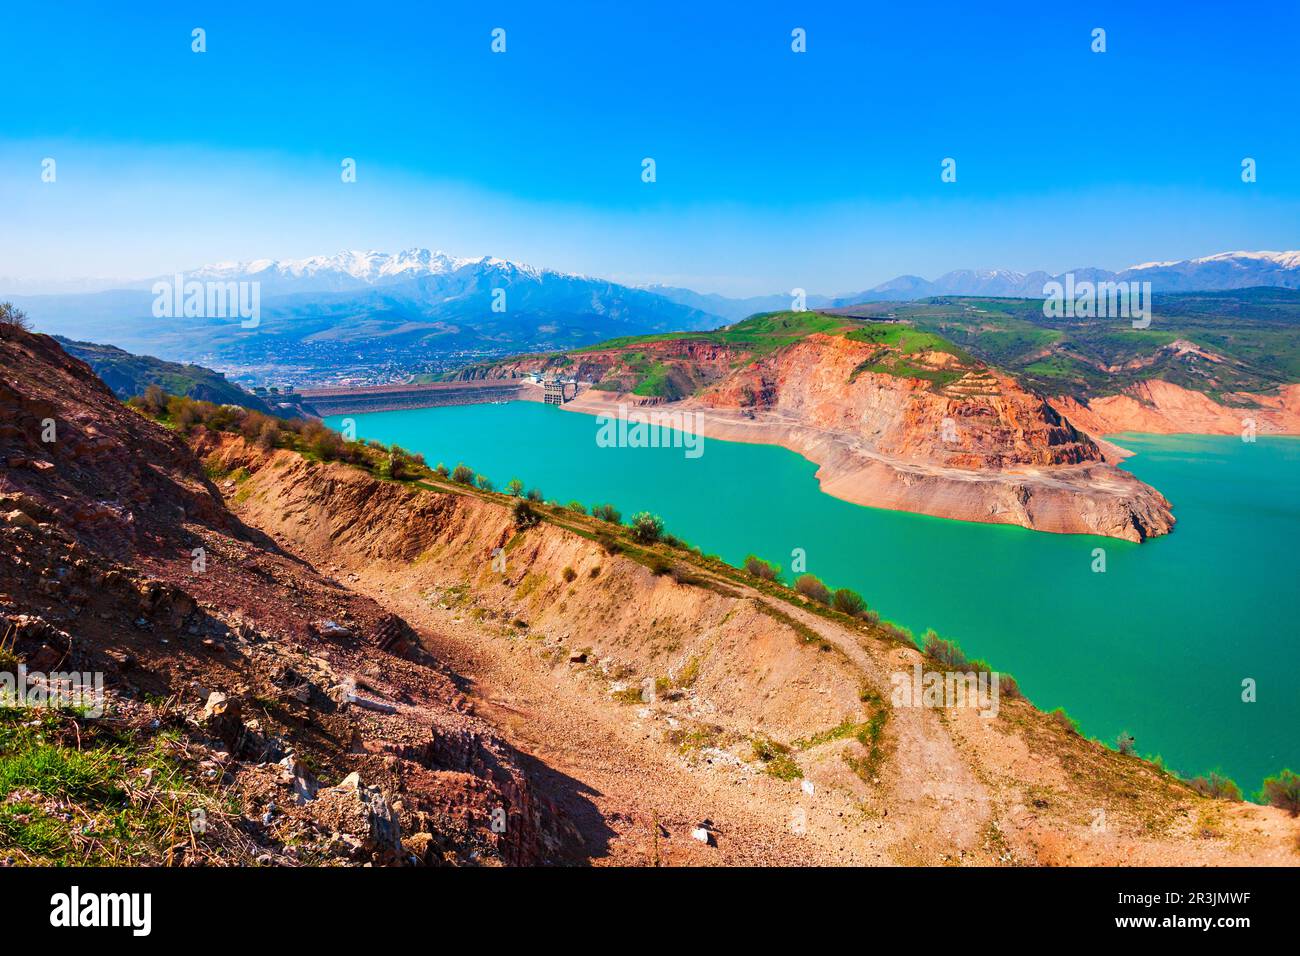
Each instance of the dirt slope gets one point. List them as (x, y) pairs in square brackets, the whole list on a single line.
[(120, 557), (646, 693)]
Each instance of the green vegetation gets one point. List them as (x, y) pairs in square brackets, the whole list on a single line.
[(606, 513), (1255, 334), (129, 375), (1283, 791), (775, 758), (462, 474), (848, 601), (523, 514), (762, 569), (646, 528), (1216, 787), (811, 587), (91, 793)]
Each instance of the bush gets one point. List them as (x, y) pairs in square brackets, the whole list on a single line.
[(1216, 787), (577, 507), (462, 474), (154, 400), (1126, 743), (514, 488), (523, 514), (12, 317), (943, 652), (608, 542), (759, 568), (485, 483), (660, 565), (442, 471), (1064, 721), (569, 574), (1284, 791), (810, 587), (848, 602), (606, 513), (647, 528), (534, 495)]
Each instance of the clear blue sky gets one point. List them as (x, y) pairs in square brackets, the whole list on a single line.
[(775, 169)]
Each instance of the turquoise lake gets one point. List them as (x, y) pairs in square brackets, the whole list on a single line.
[(1158, 645)]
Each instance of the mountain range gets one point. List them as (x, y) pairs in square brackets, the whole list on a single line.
[(358, 306)]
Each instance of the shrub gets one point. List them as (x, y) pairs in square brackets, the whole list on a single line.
[(606, 513), (1216, 787), (154, 400), (810, 587), (514, 487), (442, 471), (1126, 743), (848, 602), (943, 652), (776, 759), (759, 568), (608, 542), (534, 494), (462, 474), (647, 528), (485, 483), (1284, 791), (1064, 721), (12, 317), (576, 507), (569, 574), (523, 514), (660, 564)]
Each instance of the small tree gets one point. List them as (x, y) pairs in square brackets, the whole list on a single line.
[(1216, 786), (606, 513), (485, 483), (1284, 791), (534, 495), (943, 652), (462, 474), (811, 587), (155, 400), (514, 487), (759, 568), (523, 514), (576, 507), (441, 470), (848, 602), (12, 317), (647, 528)]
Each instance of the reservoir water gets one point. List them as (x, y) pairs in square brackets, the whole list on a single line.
[(1158, 645)]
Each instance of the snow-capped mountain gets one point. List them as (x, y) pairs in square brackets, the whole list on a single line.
[(353, 269), (1226, 270), (354, 305)]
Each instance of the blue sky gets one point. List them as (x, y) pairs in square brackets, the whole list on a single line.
[(775, 169)]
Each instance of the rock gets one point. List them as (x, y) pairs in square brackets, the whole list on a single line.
[(362, 816), (807, 787), (332, 629), (577, 657), (703, 834)]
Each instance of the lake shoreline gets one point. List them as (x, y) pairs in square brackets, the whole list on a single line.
[(1091, 498)]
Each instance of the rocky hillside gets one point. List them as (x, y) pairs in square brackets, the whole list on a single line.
[(129, 375), (895, 416), (295, 720)]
